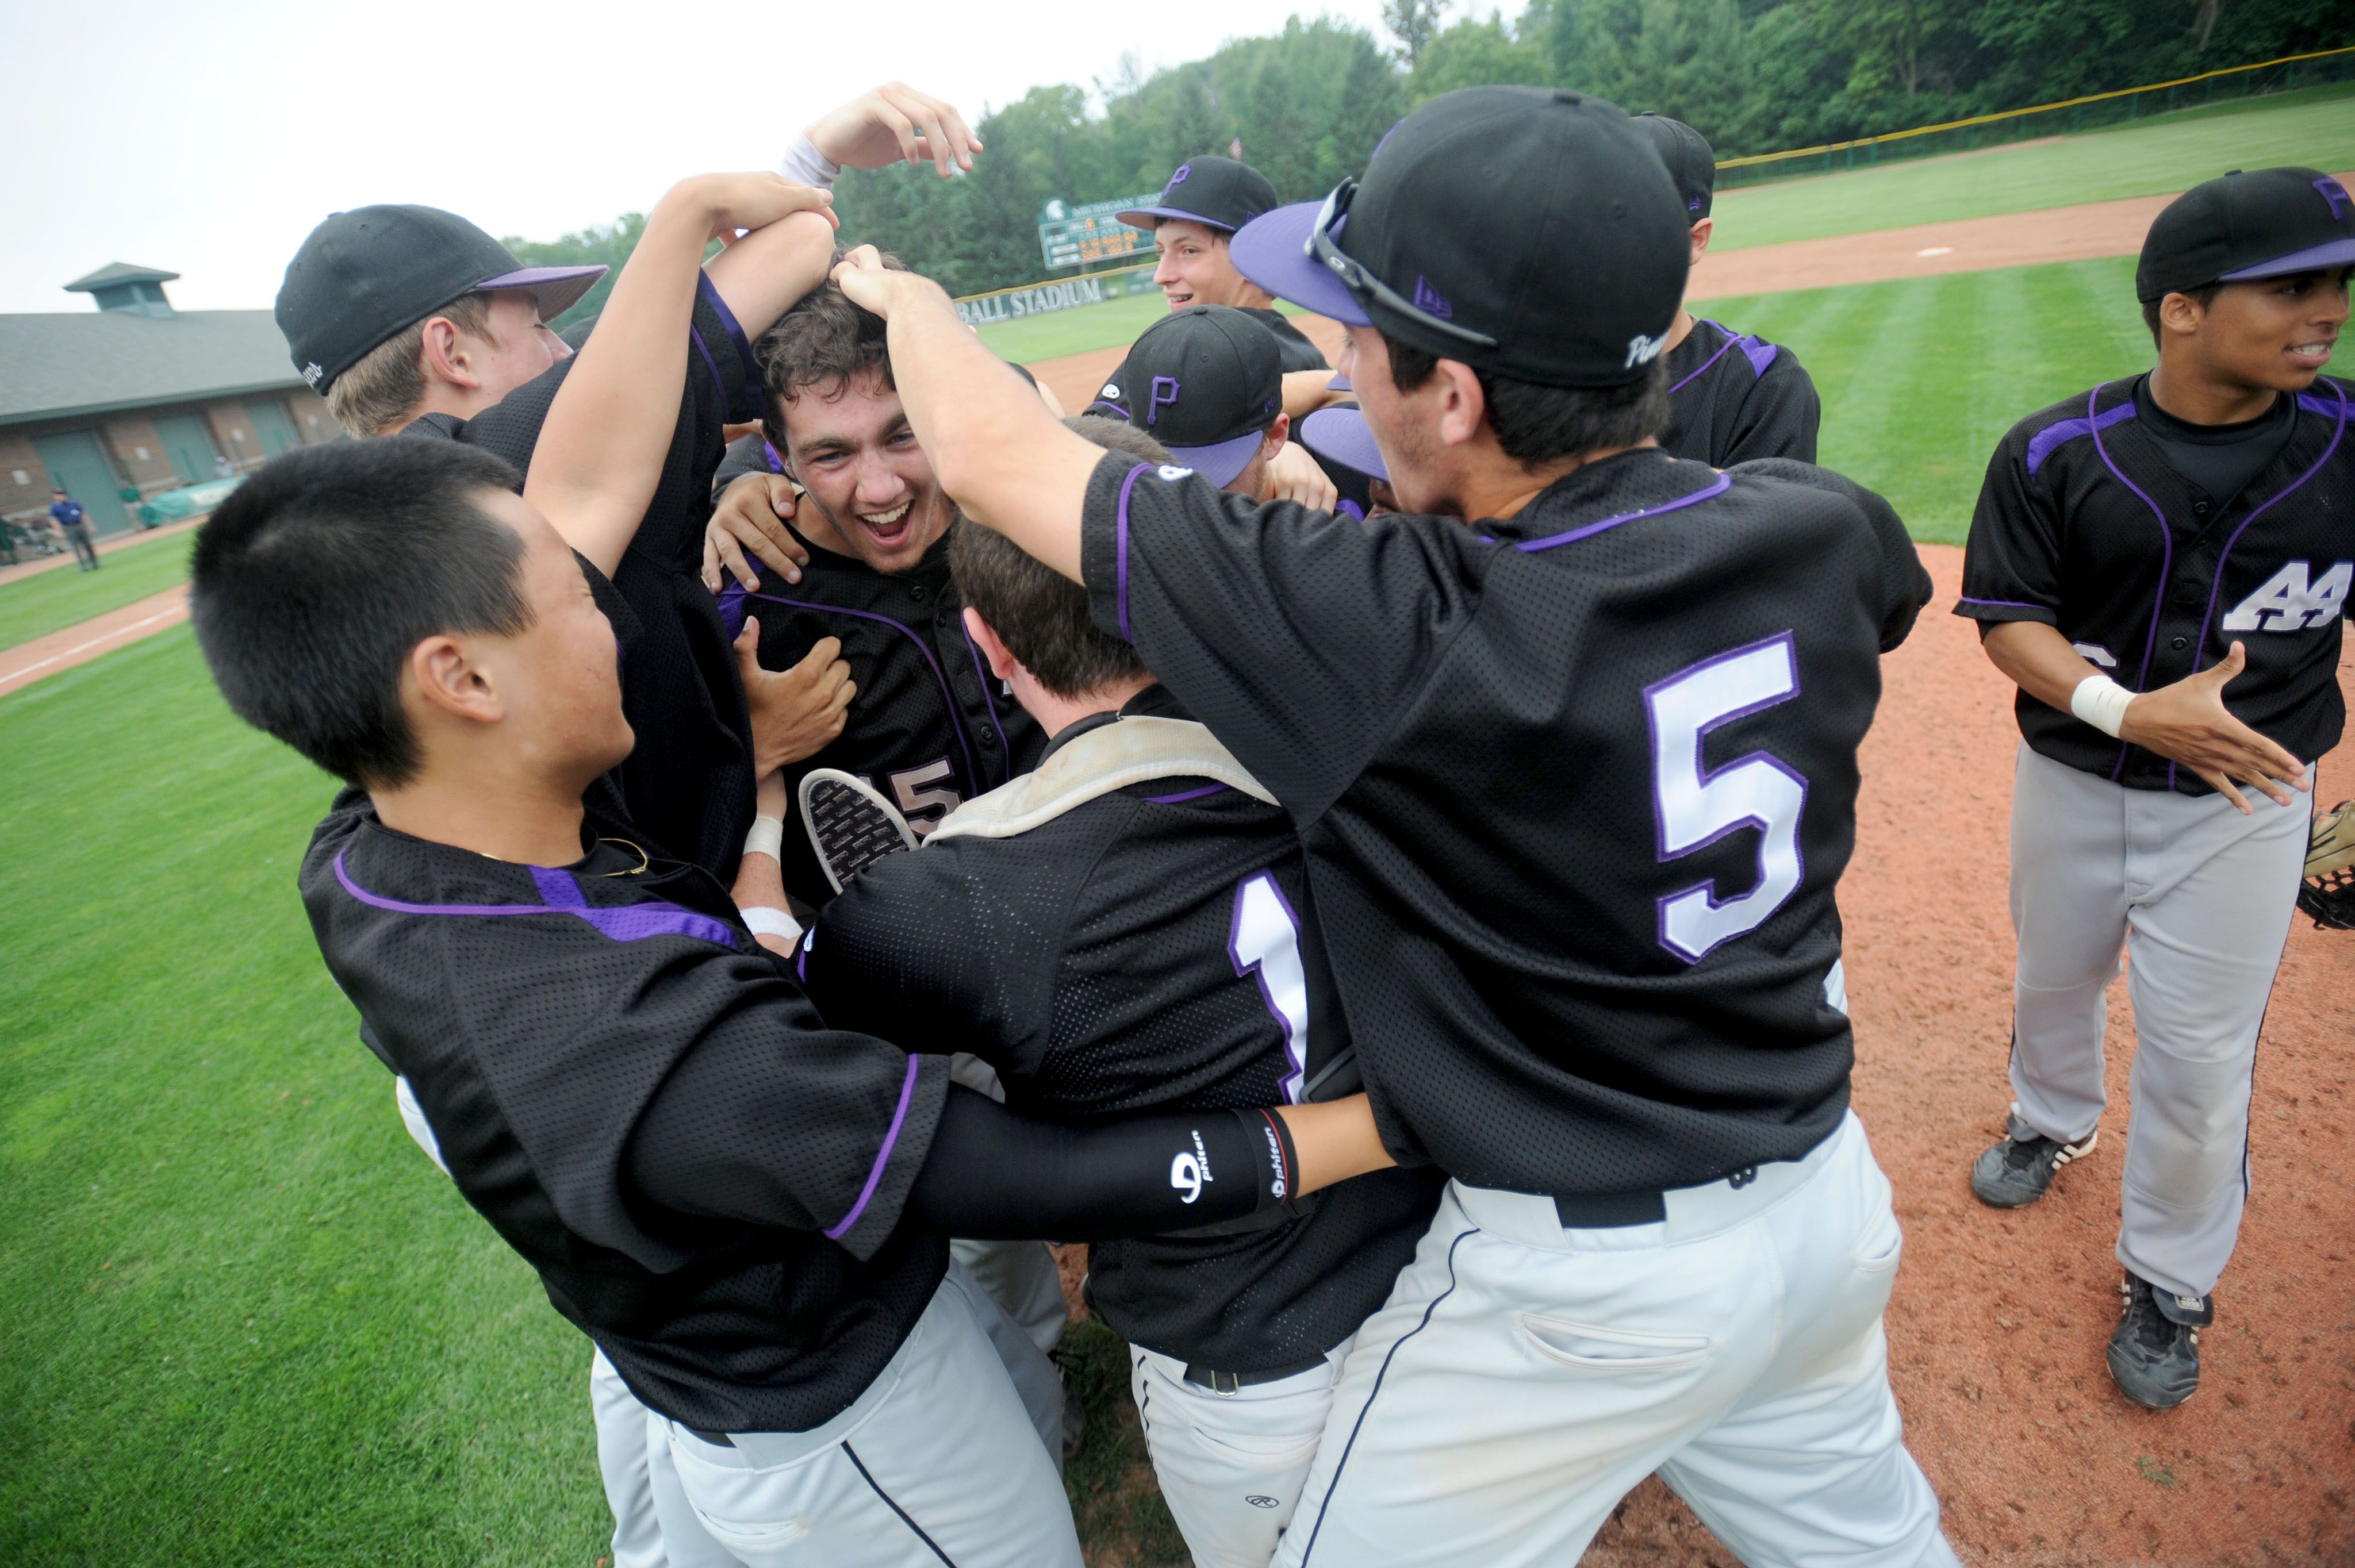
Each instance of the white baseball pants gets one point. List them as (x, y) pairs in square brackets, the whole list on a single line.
[(937, 1461), (2201, 897), (1522, 1377), (1230, 1465)]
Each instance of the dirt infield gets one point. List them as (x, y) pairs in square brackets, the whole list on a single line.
[(86, 640), (1999, 1322)]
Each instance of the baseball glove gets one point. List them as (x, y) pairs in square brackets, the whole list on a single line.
[(2328, 891)]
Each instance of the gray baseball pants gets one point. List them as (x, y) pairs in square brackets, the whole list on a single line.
[(2199, 899)]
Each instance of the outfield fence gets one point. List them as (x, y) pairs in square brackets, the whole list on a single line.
[(1055, 294), (2090, 113)]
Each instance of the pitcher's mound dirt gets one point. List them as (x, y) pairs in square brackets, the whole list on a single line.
[(1999, 1322)]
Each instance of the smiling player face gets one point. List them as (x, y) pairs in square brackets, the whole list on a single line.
[(871, 488), (2275, 331), (1195, 268)]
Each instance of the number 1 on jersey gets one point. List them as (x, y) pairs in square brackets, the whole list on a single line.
[(1695, 809), (1265, 937)]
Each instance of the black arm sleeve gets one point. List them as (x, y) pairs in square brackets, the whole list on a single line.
[(992, 1174)]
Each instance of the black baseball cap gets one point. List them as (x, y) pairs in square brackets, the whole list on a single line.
[(2249, 224), (1524, 230), (364, 275), (1206, 382), (1216, 191), (1692, 164)]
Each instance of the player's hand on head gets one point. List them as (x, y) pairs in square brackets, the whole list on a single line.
[(870, 286), (1293, 475), (893, 125), (2187, 723), (748, 525), (727, 203), (796, 713)]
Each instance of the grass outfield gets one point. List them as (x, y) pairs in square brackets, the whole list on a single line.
[(2146, 158), (35, 606), (242, 1321), (1921, 378)]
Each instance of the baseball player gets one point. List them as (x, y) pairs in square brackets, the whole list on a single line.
[(1206, 382), (2161, 564), (1130, 926), (1201, 206), (735, 1201), (1732, 395), (1576, 778)]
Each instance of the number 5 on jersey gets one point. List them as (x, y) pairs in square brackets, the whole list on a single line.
[(1695, 808)]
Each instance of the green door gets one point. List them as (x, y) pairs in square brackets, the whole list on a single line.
[(272, 427), (189, 446), (77, 461)]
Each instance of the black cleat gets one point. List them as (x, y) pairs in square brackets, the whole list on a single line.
[(2155, 1349), (2016, 1172), (851, 826)]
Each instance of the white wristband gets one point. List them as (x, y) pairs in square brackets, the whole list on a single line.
[(762, 920), (806, 166), (767, 837), (2101, 703)]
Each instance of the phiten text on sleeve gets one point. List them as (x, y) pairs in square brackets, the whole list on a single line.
[(1575, 788), (2086, 523)]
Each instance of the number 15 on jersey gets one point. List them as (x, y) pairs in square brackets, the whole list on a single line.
[(1695, 808)]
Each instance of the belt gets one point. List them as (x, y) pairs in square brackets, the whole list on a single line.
[(1610, 1210), (1227, 1384)]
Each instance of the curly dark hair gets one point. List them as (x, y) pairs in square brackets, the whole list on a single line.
[(824, 342)]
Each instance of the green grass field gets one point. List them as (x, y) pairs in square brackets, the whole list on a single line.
[(242, 1321), (34, 605), (2165, 152)]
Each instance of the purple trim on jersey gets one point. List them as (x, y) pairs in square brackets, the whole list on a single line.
[(1731, 338), (1295, 1052), (718, 385), (882, 1155), (626, 923), (981, 673), (743, 344), (1760, 355), (2044, 442), (1120, 549), (972, 772), (776, 462), (2093, 425), (2005, 603), (1723, 482), (2314, 405), (1184, 795), (2215, 584)]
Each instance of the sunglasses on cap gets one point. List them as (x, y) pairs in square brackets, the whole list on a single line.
[(1363, 285)]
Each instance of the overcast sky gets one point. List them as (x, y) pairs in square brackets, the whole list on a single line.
[(208, 139)]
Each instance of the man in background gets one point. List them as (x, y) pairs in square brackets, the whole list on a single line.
[(1201, 208), (74, 524)]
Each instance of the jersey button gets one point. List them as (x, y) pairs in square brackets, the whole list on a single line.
[(2201, 509), (916, 592), (2178, 644), (989, 740)]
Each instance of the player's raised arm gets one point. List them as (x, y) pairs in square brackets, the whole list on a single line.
[(1008, 461), (600, 452)]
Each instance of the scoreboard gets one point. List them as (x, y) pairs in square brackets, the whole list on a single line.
[(1075, 236)]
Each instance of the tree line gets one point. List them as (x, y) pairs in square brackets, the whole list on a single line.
[(1306, 105)]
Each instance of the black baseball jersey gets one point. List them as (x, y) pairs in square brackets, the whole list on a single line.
[(1733, 397), (930, 727), (1299, 353), (2084, 523), (1155, 947), (559, 1023), (688, 780), (1576, 787)]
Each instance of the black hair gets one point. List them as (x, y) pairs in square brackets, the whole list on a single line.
[(2206, 294), (1537, 425), (1042, 616), (319, 574), (824, 341)]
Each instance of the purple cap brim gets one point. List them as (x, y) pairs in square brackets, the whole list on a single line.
[(1219, 463), (1343, 435), (1150, 216), (1339, 382), (556, 289), (2331, 253), (1272, 251)]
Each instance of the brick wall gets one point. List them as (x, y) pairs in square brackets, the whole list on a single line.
[(125, 437), (138, 452)]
